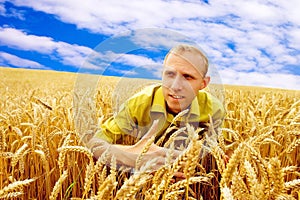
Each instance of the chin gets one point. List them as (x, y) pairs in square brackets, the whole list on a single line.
[(176, 109)]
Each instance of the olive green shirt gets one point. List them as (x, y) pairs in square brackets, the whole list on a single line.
[(143, 108)]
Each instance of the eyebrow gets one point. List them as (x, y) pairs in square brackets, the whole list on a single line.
[(170, 69)]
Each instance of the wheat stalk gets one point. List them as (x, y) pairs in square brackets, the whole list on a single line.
[(15, 188), (58, 185)]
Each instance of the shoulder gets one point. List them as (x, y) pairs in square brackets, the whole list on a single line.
[(143, 98), (217, 107), (206, 96), (145, 93)]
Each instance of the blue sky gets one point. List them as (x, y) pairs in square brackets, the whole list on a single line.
[(247, 42)]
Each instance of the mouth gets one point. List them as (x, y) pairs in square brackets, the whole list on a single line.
[(178, 97)]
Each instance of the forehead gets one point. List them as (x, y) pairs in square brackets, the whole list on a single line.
[(183, 64)]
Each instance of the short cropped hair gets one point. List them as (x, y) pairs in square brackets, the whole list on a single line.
[(185, 48)]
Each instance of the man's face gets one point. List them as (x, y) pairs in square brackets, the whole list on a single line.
[(181, 82)]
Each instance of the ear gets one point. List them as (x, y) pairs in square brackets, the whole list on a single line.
[(205, 82)]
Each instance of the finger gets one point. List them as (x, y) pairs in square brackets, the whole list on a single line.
[(162, 151), (226, 159), (160, 161), (177, 153), (98, 151), (96, 142), (179, 175), (87, 136)]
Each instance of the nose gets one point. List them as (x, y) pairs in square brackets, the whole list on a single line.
[(176, 84)]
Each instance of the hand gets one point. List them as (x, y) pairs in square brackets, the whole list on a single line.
[(97, 146), (128, 154), (120, 152), (177, 176), (154, 151), (139, 146)]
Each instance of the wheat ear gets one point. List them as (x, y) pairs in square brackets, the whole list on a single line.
[(11, 189), (58, 185)]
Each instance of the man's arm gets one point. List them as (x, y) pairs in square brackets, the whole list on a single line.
[(128, 154)]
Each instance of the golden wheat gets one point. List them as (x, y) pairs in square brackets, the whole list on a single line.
[(43, 122)]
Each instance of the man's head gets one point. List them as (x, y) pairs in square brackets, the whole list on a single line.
[(184, 74)]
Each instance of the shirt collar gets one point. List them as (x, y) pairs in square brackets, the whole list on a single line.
[(158, 104), (194, 113)]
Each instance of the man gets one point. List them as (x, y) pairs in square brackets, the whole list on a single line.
[(153, 110)]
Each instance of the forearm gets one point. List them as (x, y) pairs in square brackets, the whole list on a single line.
[(121, 153), (128, 154)]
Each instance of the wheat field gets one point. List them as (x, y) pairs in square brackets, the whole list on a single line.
[(43, 123)]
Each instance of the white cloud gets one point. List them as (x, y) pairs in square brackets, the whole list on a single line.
[(274, 80), (2, 9), (136, 60), (9, 59), (294, 37), (67, 54), (10, 12), (157, 38), (256, 10), (124, 72), (73, 55), (246, 37), (17, 39), (104, 60), (151, 66), (290, 10)]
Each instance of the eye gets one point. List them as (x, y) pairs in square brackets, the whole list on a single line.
[(170, 73), (188, 76)]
